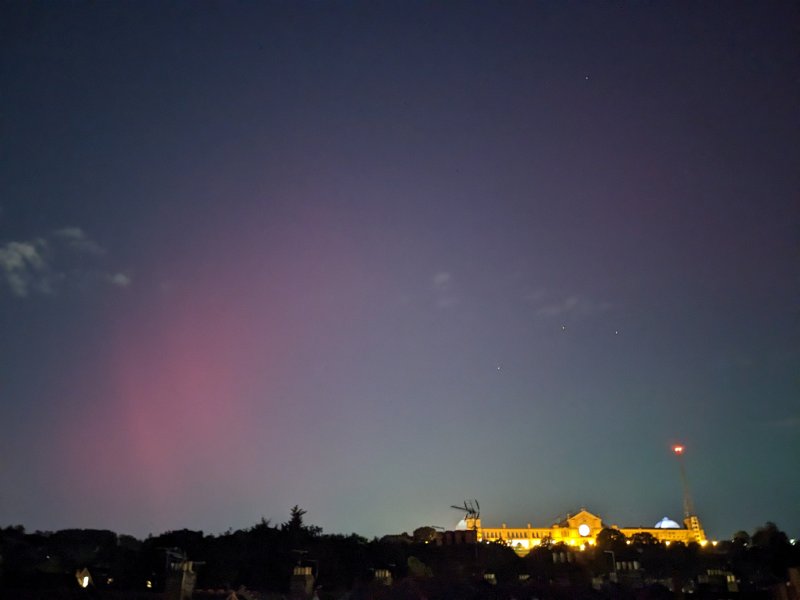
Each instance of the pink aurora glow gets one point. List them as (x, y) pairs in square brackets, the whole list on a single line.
[(202, 377)]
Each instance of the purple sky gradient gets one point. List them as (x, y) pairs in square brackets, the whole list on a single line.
[(376, 258)]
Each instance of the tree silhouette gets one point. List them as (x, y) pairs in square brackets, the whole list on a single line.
[(611, 539), (295, 522), (741, 538), (424, 534), (771, 553), (643, 538)]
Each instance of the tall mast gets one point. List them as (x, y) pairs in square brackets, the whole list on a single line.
[(688, 508)]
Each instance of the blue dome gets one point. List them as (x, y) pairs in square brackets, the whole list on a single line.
[(667, 523)]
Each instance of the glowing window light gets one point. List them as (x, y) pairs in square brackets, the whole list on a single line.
[(83, 577)]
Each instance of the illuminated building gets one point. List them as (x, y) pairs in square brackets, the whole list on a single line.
[(581, 530)]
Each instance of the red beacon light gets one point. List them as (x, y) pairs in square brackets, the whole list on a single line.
[(677, 449)]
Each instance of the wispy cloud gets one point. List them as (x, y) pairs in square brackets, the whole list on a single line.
[(76, 239), (24, 268), (442, 283), (791, 422), (558, 308), (120, 280), (551, 306), (43, 265)]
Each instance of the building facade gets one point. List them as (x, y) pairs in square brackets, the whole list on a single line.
[(581, 530)]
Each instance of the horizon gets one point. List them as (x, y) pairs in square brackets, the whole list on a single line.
[(277, 522)]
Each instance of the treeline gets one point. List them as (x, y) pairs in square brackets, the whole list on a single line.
[(262, 558)]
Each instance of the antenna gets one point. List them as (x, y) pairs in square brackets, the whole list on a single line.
[(688, 508), (472, 514), (471, 508)]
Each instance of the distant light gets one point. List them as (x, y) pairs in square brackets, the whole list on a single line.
[(83, 577), (148, 584), (677, 449)]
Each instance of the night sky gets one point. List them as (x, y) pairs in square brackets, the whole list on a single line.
[(376, 258)]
